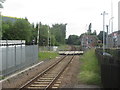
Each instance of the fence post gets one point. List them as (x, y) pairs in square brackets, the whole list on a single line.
[(21, 54), (15, 56), (6, 57)]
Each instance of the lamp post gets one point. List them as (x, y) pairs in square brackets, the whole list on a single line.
[(107, 36), (110, 24), (111, 16), (104, 13)]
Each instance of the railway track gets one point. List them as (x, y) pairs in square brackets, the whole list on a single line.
[(51, 77)]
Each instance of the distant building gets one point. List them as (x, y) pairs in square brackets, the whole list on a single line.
[(11, 19), (113, 40), (119, 15), (88, 41)]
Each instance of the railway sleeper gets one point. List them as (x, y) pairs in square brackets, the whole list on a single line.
[(46, 78), (54, 87), (39, 85), (41, 82), (35, 88)]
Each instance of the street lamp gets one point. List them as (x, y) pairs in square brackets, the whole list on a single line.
[(104, 13), (110, 24)]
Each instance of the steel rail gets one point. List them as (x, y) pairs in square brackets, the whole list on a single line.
[(39, 75), (59, 74)]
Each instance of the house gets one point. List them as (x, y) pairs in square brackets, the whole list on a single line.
[(88, 41), (113, 40)]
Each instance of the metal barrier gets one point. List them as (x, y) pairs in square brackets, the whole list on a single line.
[(110, 69), (16, 57)]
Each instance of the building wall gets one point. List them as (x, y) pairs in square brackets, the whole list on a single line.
[(88, 41), (113, 41), (119, 15)]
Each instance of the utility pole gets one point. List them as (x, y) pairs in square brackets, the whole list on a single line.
[(110, 24), (48, 39), (111, 16), (107, 37), (38, 34), (104, 13)]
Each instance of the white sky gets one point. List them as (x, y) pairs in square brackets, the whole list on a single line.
[(76, 13)]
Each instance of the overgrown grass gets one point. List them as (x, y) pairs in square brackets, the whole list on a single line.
[(47, 55), (1, 77), (90, 70)]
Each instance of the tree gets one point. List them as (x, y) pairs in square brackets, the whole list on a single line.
[(73, 40), (89, 28), (43, 41), (1, 1), (21, 29), (59, 31), (100, 36), (94, 33), (6, 30)]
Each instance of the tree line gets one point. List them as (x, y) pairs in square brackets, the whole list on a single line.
[(21, 29)]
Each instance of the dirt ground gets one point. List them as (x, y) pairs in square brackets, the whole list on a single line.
[(70, 79), (70, 75)]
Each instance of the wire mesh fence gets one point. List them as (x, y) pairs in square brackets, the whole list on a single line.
[(15, 55)]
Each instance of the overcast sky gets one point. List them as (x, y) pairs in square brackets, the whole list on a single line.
[(76, 13)]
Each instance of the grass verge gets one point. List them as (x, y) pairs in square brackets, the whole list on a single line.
[(90, 70), (63, 47), (1, 77), (47, 55)]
